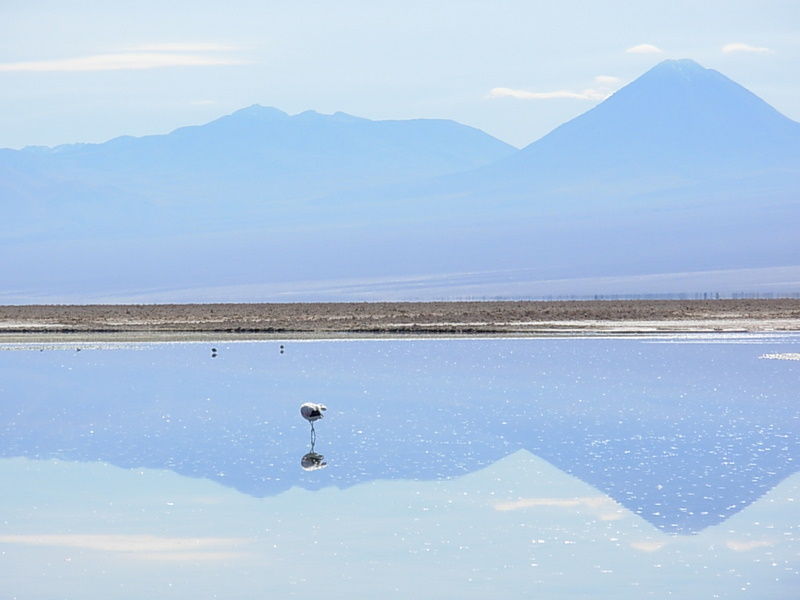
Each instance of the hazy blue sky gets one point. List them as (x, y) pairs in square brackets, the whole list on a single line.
[(88, 71)]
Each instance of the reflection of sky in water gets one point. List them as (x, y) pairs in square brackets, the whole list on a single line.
[(559, 468)]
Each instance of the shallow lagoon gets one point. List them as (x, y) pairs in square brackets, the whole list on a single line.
[(642, 467)]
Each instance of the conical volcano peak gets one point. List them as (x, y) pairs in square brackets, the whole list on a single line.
[(684, 66), (680, 73), (678, 114), (684, 94), (678, 76)]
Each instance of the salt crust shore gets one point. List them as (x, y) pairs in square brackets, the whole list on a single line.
[(187, 322)]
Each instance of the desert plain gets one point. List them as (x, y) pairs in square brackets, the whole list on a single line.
[(394, 319)]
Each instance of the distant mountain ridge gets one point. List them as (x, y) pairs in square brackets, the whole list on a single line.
[(678, 123), (274, 143), (246, 161), (680, 171)]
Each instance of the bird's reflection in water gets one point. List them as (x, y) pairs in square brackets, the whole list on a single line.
[(312, 461)]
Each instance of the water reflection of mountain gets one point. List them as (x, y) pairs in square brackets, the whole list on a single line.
[(680, 446)]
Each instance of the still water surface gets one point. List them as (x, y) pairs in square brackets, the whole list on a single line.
[(661, 467)]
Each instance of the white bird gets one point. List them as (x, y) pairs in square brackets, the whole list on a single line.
[(312, 412)]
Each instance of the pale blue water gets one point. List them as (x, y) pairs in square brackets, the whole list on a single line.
[(662, 467)]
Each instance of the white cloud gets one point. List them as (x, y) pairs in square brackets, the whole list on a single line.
[(648, 546), (603, 507), (744, 546), (587, 501), (182, 47), (502, 92), (152, 56), (603, 90), (644, 49), (147, 546), (738, 47)]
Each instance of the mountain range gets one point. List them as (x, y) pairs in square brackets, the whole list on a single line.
[(682, 181)]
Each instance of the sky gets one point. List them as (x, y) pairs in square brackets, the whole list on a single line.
[(89, 71)]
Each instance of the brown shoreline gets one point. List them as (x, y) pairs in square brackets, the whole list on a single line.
[(394, 319)]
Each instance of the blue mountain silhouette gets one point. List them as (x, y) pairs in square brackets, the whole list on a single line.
[(680, 171)]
